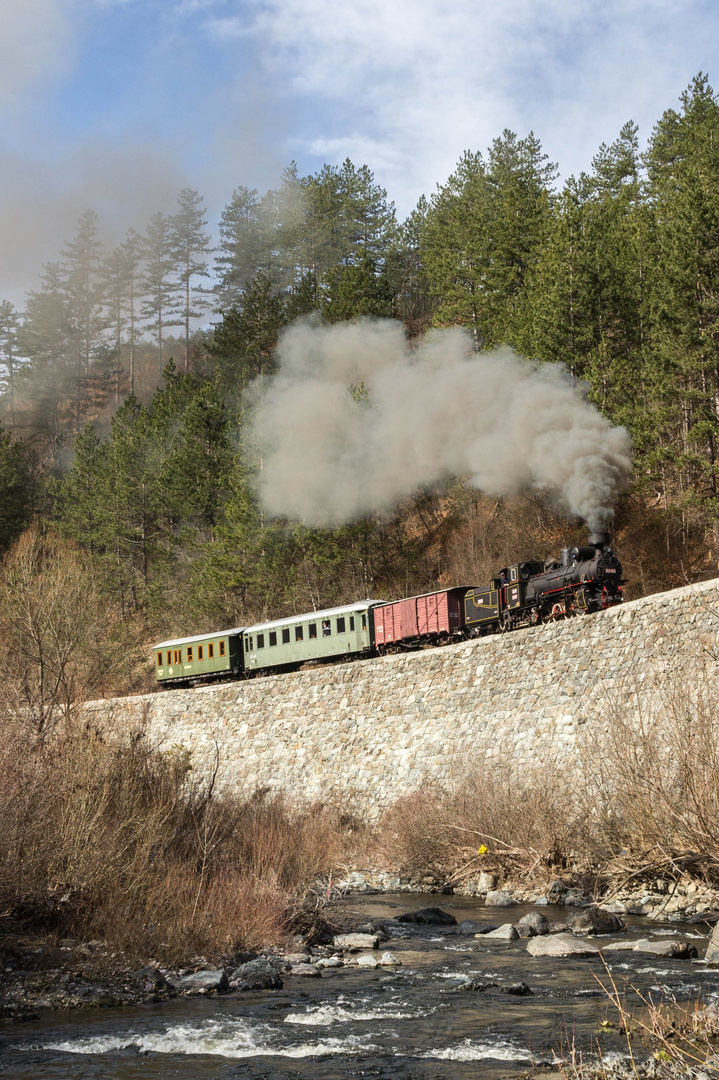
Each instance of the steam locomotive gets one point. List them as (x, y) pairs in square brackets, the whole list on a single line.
[(586, 579)]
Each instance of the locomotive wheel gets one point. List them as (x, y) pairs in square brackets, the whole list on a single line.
[(558, 611)]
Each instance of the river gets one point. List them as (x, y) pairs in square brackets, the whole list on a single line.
[(393, 1023)]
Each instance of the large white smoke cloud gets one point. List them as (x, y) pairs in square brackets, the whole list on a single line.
[(354, 421)]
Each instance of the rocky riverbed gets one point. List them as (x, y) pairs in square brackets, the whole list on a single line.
[(41, 974), (410, 993)]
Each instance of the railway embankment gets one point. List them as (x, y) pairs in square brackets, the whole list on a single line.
[(375, 729)]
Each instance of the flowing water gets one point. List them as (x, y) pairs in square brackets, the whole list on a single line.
[(402, 1023)]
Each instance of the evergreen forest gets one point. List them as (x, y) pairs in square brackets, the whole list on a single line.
[(126, 381)]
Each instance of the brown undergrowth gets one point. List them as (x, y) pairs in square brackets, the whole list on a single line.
[(637, 798), (108, 837)]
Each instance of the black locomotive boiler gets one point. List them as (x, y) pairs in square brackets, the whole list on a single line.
[(586, 579)]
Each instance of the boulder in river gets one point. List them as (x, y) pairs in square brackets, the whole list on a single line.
[(429, 916), (593, 920), (676, 950), (506, 932), (259, 974), (519, 989), (388, 959), (214, 979), (499, 898), (561, 945), (367, 960), (536, 921), (306, 970), (356, 942), (468, 926)]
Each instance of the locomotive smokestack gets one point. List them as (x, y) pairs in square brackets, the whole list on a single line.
[(599, 541)]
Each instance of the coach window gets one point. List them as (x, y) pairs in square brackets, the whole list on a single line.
[(189, 654), (248, 644), (364, 621), (211, 650), (298, 633), (326, 628), (340, 626), (312, 630), (159, 659), (352, 622), (286, 635), (222, 648), (169, 657), (273, 637), (260, 641), (200, 652), (178, 656)]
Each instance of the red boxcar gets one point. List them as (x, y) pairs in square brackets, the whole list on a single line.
[(430, 616)]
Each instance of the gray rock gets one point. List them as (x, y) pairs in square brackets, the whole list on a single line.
[(499, 898), (542, 902), (619, 946), (561, 945), (556, 892), (372, 928), (388, 959), (355, 942), (468, 926), (712, 953), (329, 962), (574, 898), (465, 982), (296, 958), (594, 920), (526, 931), (519, 989), (367, 960), (485, 882), (308, 970), (486, 928), (259, 974), (538, 922), (214, 979), (507, 932), (431, 916), (677, 950)]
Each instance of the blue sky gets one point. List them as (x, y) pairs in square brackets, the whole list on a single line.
[(116, 104)]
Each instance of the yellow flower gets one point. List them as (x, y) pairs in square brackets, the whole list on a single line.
[(483, 849)]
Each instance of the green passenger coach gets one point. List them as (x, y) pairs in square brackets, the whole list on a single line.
[(200, 658), (320, 635)]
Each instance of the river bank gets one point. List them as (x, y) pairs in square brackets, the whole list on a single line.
[(44, 973), (449, 1001)]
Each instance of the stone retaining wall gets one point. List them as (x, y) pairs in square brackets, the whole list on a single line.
[(375, 728)]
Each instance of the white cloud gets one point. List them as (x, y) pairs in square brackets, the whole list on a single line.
[(416, 82)]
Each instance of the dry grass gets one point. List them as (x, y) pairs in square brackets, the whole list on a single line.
[(109, 838), (663, 1039), (493, 817), (639, 799)]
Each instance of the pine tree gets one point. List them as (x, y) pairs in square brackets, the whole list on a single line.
[(356, 289), (9, 355), (244, 342), (121, 282), (190, 243), (158, 284), (241, 248), (683, 166), (83, 288), (46, 340)]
